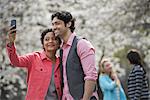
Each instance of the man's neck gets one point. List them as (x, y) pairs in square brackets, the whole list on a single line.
[(66, 37)]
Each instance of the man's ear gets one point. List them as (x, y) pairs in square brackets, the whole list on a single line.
[(68, 24)]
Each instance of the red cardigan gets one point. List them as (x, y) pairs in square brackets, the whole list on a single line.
[(39, 72)]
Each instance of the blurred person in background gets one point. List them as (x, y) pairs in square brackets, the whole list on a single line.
[(138, 88), (43, 79), (109, 82)]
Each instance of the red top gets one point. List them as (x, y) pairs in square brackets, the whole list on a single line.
[(39, 69)]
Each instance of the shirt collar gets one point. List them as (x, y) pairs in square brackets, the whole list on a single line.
[(43, 55)]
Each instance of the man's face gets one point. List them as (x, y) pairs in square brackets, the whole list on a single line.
[(59, 27)]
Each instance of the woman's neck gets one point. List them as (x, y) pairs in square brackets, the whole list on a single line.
[(51, 56)]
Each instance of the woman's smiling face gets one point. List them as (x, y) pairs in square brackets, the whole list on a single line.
[(50, 43)]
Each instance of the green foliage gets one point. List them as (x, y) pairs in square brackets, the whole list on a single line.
[(121, 54)]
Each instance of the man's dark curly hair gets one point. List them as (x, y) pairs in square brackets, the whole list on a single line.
[(66, 17)]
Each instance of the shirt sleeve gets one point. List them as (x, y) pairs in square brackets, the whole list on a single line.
[(19, 61), (138, 86), (107, 85), (86, 53)]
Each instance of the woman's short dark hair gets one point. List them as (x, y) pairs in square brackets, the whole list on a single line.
[(66, 17), (134, 57), (44, 33)]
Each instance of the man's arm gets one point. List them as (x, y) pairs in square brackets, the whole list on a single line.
[(86, 53), (88, 89)]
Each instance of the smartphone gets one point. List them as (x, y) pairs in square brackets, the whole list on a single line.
[(13, 23)]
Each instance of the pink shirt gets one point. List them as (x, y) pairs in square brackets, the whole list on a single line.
[(86, 53), (39, 69)]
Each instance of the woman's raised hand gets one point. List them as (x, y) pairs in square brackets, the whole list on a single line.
[(11, 34)]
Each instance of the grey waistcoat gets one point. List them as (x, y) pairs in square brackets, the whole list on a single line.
[(75, 74)]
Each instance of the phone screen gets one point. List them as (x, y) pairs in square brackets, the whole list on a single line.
[(13, 23)]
